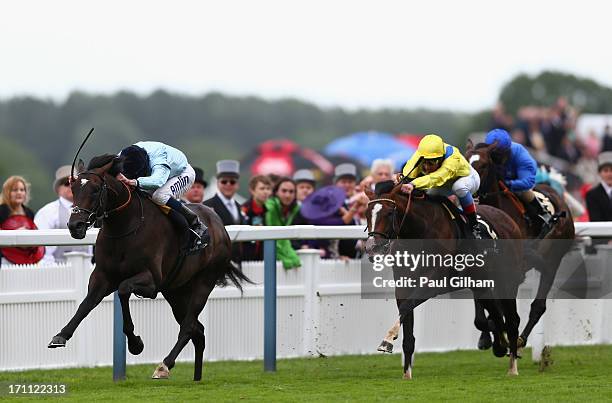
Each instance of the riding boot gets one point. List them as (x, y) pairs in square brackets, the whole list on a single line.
[(469, 209), (195, 226), (473, 223)]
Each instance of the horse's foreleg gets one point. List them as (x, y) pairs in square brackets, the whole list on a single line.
[(386, 346), (406, 310), (98, 288), (482, 323), (500, 335), (143, 285), (512, 325), (408, 343), (199, 343)]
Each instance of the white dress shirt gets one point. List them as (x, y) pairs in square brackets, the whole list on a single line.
[(48, 218), (230, 204)]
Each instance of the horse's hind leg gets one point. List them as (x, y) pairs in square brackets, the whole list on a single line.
[(98, 288), (143, 285), (190, 325), (386, 346), (538, 306)]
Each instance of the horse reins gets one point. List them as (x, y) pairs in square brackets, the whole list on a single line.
[(93, 215), (396, 233)]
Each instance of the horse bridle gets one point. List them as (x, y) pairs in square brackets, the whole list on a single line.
[(94, 214), (394, 233)]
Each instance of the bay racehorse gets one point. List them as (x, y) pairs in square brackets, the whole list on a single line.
[(549, 251), (392, 215), (138, 251)]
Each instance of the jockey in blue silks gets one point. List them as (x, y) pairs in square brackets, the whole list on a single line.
[(164, 172), (519, 173)]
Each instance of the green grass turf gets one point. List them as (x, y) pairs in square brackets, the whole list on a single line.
[(577, 374)]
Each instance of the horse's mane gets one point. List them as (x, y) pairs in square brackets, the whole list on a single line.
[(481, 146), (102, 160)]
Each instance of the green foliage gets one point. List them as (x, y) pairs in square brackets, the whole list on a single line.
[(578, 373), (545, 88), (16, 160), (215, 126)]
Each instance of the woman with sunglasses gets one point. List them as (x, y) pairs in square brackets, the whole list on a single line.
[(14, 214), (282, 209), (165, 173), (441, 169)]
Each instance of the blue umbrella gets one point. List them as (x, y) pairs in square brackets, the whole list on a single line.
[(368, 146)]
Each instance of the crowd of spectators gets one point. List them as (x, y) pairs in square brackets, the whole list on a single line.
[(550, 134), (274, 200)]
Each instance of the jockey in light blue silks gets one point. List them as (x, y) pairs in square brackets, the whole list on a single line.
[(164, 172), (519, 173)]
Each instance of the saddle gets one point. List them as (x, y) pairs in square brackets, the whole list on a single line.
[(462, 228)]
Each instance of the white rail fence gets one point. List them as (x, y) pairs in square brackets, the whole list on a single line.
[(319, 308)]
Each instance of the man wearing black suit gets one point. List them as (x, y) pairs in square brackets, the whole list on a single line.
[(599, 198), (228, 173)]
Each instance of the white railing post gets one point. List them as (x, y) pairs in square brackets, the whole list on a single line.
[(310, 269), (80, 262)]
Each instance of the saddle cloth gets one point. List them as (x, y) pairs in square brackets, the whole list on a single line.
[(545, 201), (463, 229)]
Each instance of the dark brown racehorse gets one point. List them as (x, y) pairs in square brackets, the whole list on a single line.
[(393, 215), (549, 250), (136, 253)]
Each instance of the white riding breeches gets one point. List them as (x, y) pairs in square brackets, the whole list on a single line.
[(176, 186), (460, 187)]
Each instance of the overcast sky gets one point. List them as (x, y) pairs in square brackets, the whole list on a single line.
[(438, 54)]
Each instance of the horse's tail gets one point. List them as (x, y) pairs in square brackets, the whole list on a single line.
[(235, 275)]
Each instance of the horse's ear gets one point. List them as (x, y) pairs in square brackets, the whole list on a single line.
[(368, 192), (80, 167), (469, 145)]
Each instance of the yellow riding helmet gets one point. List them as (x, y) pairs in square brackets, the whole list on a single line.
[(431, 146)]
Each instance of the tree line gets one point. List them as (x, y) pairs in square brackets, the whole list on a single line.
[(37, 135)]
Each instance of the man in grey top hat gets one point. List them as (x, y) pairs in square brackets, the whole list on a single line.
[(304, 183), (228, 173), (599, 198), (55, 215)]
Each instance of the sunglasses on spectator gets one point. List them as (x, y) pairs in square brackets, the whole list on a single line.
[(226, 181)]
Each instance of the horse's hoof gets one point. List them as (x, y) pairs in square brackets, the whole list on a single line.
[(136, 347), (57, 341), (499, 350), (521, 342), (484, 342), (385, 347), (512, 373), (161, 372), (408, 374)]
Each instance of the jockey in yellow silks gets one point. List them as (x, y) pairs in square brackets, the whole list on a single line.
[(440, 169)]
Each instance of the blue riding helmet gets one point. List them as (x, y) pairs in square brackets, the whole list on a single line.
[(135, 162), (504, 142)]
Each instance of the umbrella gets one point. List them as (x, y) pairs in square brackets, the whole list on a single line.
[(411, 140), (367, 146), (283, 157)]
